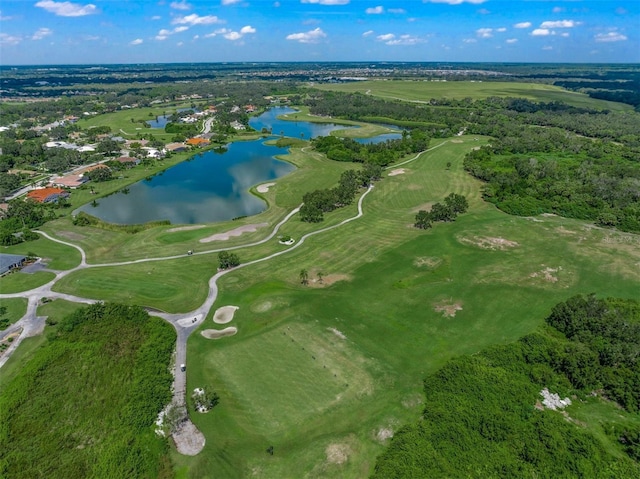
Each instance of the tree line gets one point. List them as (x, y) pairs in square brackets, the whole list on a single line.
[(453, 205)]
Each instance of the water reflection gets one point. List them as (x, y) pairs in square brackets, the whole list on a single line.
[(299, 129)]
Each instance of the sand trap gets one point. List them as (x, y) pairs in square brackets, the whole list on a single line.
[(487, 242), (399, 171), (448, 308), (264, 188), (219, 333), (224, 314), (235, 232), (185, 228), (337, 453)]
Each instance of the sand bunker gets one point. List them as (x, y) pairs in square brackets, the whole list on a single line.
[(448, 308), (547, 274), (398, 171), (185, 228), (235, 232), (337, 453), (264, 188), (219, 333), (224, 314), (486, 242)]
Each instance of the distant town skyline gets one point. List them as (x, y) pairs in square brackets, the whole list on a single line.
[(36, 32)]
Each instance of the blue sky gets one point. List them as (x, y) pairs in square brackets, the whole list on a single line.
[(121, 31)]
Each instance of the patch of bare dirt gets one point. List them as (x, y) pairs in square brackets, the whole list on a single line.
[(427, 262), (185, 228), (397, 171), (488, 242), (262, 307), (457, 141), (219, 333), (423, 207), (337, 453), (564, 231), (224, 314), (448, 308), (188, 439), (328, 280), (337, 333), (234, 232), (384, 434), (547, 274)]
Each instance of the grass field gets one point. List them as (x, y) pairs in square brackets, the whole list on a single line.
[(16, 307), (324, 373), (55, 255), (418, 91), (500, 270)]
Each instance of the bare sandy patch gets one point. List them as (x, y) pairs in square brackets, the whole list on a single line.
[(547, 274), (337, 453), (185, 228), (423, 207), (457, 141), (234, 232), (448, 308), (337, 333), (564, 231), (264, 188), (384, 433), (188, 439), (397, 171), (224, 314), (328, 280), (427, 262), (487, 242), (219, 333)]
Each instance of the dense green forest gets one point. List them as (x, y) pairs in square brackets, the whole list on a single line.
[(84, 405), (485, 417)]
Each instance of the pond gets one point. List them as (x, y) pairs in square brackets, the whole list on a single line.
[(212, 186), (207, 188)]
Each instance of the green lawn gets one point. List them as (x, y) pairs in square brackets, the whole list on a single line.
[(418, 91), (16, 308), (54, 255), (18, 281)]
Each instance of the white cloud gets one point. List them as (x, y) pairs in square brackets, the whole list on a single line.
[(195, 19), (565, 34), (220, 31), (522, 25), (367, 33), (541, 32), (230, 2), (137, 41), (156, 17), (4, 18), (470, 40), (501, 29), (559, 24), (375, 10), (558, 9), (484, 11), (160, 37), (179, 44), (327, 2), (455, 2), (404, 40), (233, 36), (484, 32), (396, 10), (312, 36), (6, 39), (512, 40), (183, 5), (386, 37), (247, 29), (610, 37), (67, 9), (41, 33), (183, 28)]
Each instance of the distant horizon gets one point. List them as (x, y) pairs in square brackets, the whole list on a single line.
[(118, 32)]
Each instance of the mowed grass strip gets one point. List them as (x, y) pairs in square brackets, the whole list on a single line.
[(55, 255), (422, 91), (18, 281), (16, 308)]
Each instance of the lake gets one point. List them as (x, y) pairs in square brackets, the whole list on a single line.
[(211, 186)]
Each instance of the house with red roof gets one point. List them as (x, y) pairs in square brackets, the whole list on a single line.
[(47, 195)]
